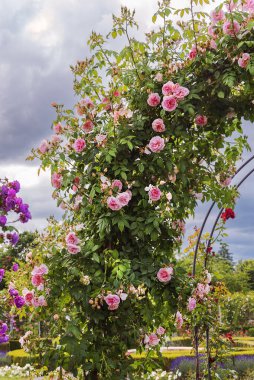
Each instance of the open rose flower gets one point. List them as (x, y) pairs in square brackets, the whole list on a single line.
[(201, 120), (160, 330), (117, 183), (73, 249), (249, 6), (193, 53), (37, 280), (169, 103), (28, 296), (114, 203), (153, 99), (57, 180), (79, 145), (156, 144), (124, 198), (191, 304), (151, 340), (88, 126), (168, 88), (158, 125), (165, 274), (44, 146), (71, 238), (244, 60), (154, 193), (231, 28), (217, 15), (113, 301)]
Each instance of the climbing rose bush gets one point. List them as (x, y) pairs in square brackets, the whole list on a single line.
[(128, 163)]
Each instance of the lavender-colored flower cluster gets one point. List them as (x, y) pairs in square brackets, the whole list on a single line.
[(3, 328), (10, 202), (19, 301)]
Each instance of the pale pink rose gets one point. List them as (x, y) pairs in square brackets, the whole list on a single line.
[(165, 274), (211, 32), (231, 28), (158, 125), (193, 52), (123, 198), (73, 249), (117, 183), (42, 269), (168, 88), (181, 92), (28, 295), (88, 126), (113, 203), (55, 139), (37, 280), (44, 146), (191, 304), (154, 194), (217, 16), (153, 340), (156, 144), (71, 238), (79, 145), (208, 278), (202, 290), (249, 6), (244, 60), (29, 256), (158, 77), (42, 301), (123, 296), (213, 45), (199, 196), (160, 330), (201, 120), (87, 102), (226, 182), (57, 180), (169, 196), (113, 301), (179, 320), (169, 103), (100, 138), (153, 99), (57, 128)]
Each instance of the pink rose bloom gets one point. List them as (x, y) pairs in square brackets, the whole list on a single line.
[(117, 183), (37, 280), (179, 320), (88, 126), (226, 182), (28, 296), (230, 28), (169, 196), (158, 125), (100, 138), (55, 139), (79, 145), (158, 77), (244, 60), (42, 301), (57, 128), (249, 6), (169, 103), (202, 290), (160, 330), (42, 269), (73, 249), (213, 45), (165, 274), (44, 146), (201, 120), (193, 53), (168, 88), (113, 203), (153, 340), (56, 180), (156, 144), (181, 92), (191, 304), (211, 32), (217, 16), (123, 198), (87, 102), (232, 5), (112, 300), (154, 194), (116, 93), (71, 238), (153, 99)]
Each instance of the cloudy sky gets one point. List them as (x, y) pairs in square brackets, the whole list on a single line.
[(39, 39)]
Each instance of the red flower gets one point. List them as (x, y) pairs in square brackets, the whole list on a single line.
[(209, 249), (227, 214)]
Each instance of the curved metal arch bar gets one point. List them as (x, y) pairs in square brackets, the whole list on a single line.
[(207, 216)]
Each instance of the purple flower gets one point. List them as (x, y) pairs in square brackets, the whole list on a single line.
[(13, 238), (15, 267), (2, 272), (13, 292), (11, 193), (3, 328), (19, 301), (3, 220), (4, 338), (15, 185)]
